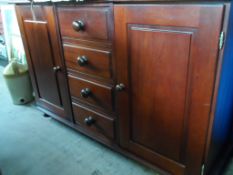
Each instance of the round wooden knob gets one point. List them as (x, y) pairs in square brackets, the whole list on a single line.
[(56, 68), (82, 60), (78, 25), (85, 92), (89, 120), (120, 87)]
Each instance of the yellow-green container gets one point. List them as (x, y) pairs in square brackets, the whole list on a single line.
[(18, 82)]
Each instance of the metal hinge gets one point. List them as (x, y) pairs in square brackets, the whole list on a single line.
[(203, 169), (221, 40)]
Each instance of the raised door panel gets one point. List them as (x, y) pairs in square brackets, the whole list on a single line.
[(158, 96), (42, 60), (166, 57)]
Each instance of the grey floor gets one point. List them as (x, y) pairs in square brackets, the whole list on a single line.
[(33, 145)]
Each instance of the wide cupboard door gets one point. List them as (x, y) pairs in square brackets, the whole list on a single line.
[(166, 58), (40, 37)]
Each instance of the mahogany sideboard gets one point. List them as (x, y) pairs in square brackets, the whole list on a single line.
[(140, 77)]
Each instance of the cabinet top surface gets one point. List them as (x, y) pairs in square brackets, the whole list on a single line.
[(89, 1)]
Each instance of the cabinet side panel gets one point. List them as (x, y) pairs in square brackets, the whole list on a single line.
[(221, 137)]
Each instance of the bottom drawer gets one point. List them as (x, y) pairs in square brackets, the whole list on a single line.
[(93, 121)]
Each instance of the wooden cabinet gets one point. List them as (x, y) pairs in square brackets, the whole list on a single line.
[(48, 73), (140, 78), (166, 57)]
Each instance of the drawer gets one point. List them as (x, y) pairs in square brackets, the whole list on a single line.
[(89, 61), (96, 94), (93, 121), (85, 22)]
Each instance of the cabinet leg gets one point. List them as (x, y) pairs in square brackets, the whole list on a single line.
[(46, 115)]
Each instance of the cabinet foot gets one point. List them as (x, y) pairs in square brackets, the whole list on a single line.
[(46, 115)]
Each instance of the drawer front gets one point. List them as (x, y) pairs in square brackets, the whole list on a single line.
[(90, 61), (94, 22), (92, 93), (93, 121)]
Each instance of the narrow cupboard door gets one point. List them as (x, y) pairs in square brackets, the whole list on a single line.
[(166, 59), (47, 71)]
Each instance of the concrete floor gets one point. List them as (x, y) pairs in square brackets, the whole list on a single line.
[(33, 145)]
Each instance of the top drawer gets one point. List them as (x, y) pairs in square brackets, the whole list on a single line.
[(85, 22)]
